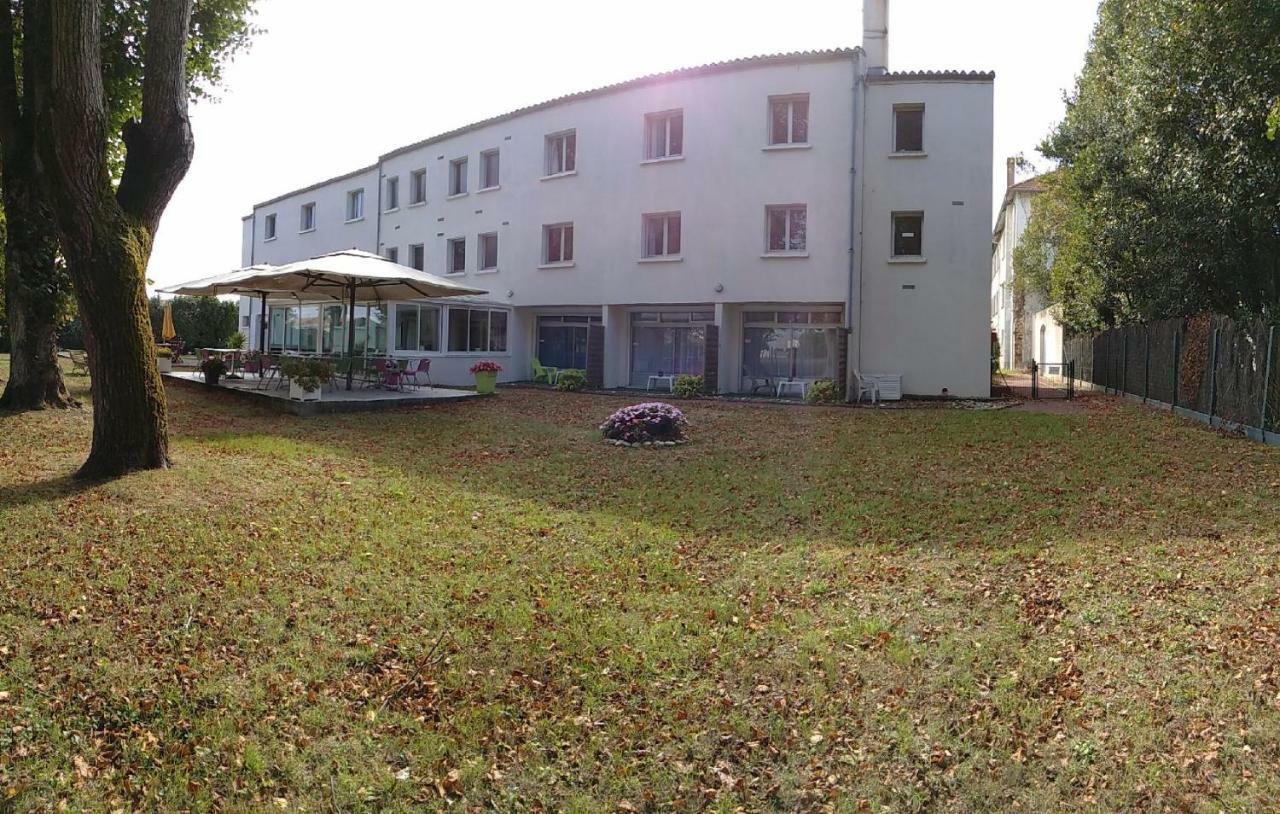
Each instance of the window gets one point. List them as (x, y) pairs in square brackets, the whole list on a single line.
[(668, 343), (269, 227), (789, 119), (244, 321), (780, 345), (562, 340), (355, 204), (307, 218), (908, 128), (557, 243), (393, 193), (392, 253), (787, 228), (418, 257), (487, 247), (458, 176), (417, 327), (562, 152), (477, 330), (664, 134), (417, 187), (457, 259), (661, 235), (489, 169), (907, 234)]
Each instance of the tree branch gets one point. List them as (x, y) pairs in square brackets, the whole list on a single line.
[(160, 146)]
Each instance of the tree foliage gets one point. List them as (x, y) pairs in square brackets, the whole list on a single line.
[(201, 322), (1167, 197)]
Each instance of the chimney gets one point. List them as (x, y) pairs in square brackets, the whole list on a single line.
[(1011, 172), (875, 35)]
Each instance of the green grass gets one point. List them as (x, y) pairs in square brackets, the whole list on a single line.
[(480, 606)]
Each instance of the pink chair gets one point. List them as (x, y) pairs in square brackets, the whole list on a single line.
[(423, 369)]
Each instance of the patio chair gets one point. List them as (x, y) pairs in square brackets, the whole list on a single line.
[(546, 374), (867, 386), (756, 383), (423, 369)]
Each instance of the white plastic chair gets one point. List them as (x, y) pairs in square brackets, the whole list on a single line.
[(867, 386)]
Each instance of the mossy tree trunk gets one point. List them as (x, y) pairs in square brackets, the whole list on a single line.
[(106, 231)]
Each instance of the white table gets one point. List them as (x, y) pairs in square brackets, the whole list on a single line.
[(670, 380), (793, 384)]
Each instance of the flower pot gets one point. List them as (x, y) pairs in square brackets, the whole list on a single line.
[(298, 394), (165, 364), (486, 382), (212, 378)]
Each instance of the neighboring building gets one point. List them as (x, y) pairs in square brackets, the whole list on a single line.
[(1026, 326), (797, 215)]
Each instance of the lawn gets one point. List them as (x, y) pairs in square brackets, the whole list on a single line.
[(480, 606)]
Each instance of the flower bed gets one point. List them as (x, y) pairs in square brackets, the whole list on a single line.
[(653, 423)]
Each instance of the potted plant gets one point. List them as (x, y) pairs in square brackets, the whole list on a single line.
[(306, 376), (237, 341), (164, 359), (213, 370), (486, 374)]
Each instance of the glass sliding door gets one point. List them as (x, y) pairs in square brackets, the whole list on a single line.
[(333, 335), (667, 343), (562, 340), (783, 345), (309, 329)]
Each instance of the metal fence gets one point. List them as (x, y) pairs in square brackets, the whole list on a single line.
[(1209, 367)]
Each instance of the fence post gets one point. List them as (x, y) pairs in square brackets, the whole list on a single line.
[(1035, 377), (1213, 374), (1124, 362), (1266, 381), (1177, 363), (1146, 364)]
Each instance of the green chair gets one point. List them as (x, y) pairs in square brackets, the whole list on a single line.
[(544, 374)]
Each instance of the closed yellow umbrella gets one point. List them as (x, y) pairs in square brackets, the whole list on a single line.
[(167, 331)]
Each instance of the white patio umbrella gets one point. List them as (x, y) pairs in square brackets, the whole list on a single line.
[(228, 283), (352, 274)]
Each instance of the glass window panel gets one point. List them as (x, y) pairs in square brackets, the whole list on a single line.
[(489, 251), (673, 234), (568, 243), (800, 121), (909, 130), (799, 228), (777, 230), (675, 135), (907, 235), (478, 330), (554, 249), (457, 329), (429, 328), (407, 327), (778, 112), (497, 331), (377, 329), (759, 316), (334, 336), (457, 254), (291, 329), (571, 152)]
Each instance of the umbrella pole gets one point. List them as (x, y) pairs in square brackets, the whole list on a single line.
[(262, 326), (351, 334)]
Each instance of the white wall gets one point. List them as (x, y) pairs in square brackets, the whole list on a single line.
[(332, 231), (936, 334)]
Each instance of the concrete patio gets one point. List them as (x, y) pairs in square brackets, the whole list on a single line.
[(332, 400)]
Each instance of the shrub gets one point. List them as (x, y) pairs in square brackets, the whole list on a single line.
[(686, 387), (213, 368), (823, 391), (571, 380), (237, 341), (995, 354), (164, 353), (486, 366), (308, 374), (640, 423)]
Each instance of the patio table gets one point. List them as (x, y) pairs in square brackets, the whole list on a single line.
[(670, 380)]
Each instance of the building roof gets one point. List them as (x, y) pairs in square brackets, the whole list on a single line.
[(709, 69), (934, 76), (1031, 186)]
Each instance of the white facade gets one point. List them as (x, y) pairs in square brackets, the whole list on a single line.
[(1018, 326), (778, 312)]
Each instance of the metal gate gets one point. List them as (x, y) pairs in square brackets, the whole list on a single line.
[(1053, 380)]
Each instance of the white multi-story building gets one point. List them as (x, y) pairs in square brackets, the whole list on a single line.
[(1025, 325), (791, 216)]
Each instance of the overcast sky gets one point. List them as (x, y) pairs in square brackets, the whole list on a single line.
[(329, 86)]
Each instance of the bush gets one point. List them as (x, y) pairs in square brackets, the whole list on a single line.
[(308, 374), (995, 354), (164, 353), (571, 380), (823, 391), (641, 423), (686, 387)]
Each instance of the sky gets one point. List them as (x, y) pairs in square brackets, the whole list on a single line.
[(329, 86)]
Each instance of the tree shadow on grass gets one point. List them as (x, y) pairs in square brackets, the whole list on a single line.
[(13, 495)]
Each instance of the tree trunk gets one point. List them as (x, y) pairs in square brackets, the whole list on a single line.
[(130, 411), (35, 289)]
